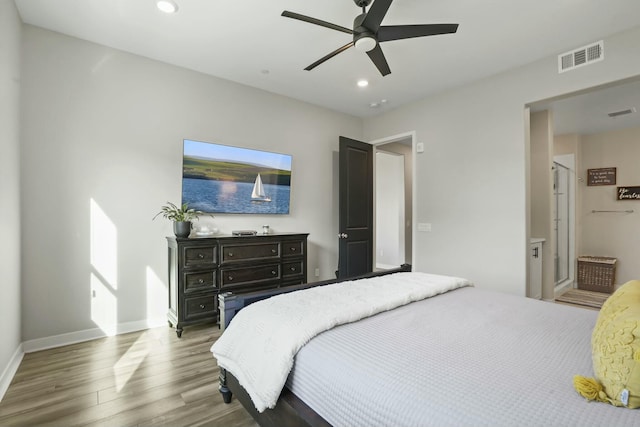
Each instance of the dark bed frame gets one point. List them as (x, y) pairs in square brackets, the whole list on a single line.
[(289, 410)]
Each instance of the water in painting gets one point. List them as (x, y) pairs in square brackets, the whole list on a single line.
[(225, 179)]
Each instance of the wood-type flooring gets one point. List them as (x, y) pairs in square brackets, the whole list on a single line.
[(145, 378), (583, 298)]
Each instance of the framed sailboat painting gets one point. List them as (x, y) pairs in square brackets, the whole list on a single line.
[(220, 178)]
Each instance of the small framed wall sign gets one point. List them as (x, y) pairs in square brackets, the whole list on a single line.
[(629, 193), (601, 176)]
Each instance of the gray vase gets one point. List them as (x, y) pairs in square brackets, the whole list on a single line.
[(182, 228)]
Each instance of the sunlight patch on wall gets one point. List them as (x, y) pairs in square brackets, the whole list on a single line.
[(103, 248), (104, 306), (129, 363), (156, 298), (104, 245)]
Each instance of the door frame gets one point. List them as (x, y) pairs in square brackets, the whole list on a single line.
[(414, 187)]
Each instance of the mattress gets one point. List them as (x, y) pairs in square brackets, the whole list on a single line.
[(469, 357), (259, 345)]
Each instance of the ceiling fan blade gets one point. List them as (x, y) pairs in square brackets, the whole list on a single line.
[(376, 14), (329, 56), (379, 60), (398, 32), (311, 20)]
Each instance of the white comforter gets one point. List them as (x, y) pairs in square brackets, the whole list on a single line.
[(262, 340)]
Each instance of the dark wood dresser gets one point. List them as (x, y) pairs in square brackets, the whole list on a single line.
[(200, 268)]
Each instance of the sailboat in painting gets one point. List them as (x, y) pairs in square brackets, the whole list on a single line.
[(258, 194)]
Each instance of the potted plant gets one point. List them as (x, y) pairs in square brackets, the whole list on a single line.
[(181, 217)]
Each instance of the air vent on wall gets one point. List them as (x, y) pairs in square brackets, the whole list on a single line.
[(581, 56), (622, 112)]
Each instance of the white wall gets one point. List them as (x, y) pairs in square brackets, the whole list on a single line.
[(611, 234), (471, 179), (389, 210), (10, 351), (102, 151), (541, 195)]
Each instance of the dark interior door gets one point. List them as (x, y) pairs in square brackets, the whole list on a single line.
[(355, 237)]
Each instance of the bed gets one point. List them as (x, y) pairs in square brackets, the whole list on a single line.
[(460, 357)]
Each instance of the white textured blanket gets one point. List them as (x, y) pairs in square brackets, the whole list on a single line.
[(259, 345)]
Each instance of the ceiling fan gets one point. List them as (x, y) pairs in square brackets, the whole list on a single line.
[(368, 33)]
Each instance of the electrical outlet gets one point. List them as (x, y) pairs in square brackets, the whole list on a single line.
[(317, 272)]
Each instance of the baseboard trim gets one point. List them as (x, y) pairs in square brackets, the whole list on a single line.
[(10, 370), (385, 266), (88, 334)]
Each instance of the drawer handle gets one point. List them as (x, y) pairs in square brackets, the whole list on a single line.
[(201, 256), (230, 254), (200, 281), (293, 269), (273, 272), (292, 249), (202, 306), (230, 278), (273, 251)]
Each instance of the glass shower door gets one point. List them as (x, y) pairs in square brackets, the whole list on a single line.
[(561, 194)]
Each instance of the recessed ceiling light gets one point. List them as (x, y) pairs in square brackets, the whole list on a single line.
[(376, 104), (363, 83), (167, 6)]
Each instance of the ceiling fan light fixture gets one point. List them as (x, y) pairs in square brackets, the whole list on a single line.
[(368, 32), (167, 6), (366, 43)]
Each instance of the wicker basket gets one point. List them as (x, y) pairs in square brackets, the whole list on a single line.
[(596, 273)]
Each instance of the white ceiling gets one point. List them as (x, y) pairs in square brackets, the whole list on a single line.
[(587, 113), (247, 41)]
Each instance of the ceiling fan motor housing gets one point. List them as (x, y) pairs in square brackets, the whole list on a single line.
[(362, 3), (360, 32)]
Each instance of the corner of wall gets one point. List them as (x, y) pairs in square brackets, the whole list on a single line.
[(10, 371)]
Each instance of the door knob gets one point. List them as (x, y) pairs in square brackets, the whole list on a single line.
[(342, 235)]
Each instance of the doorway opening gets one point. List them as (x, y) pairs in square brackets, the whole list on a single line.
[(389, 210), (583, 128), (394, 188)]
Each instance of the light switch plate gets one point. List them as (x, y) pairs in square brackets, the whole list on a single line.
[(424, 226)]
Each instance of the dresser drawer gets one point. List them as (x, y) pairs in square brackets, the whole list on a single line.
[(200, 306), (290, 269), (231, 253), (236, 277), (199, 255), (292, 248), (199, 281)]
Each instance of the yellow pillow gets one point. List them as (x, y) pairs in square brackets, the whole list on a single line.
[(615, 349)]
